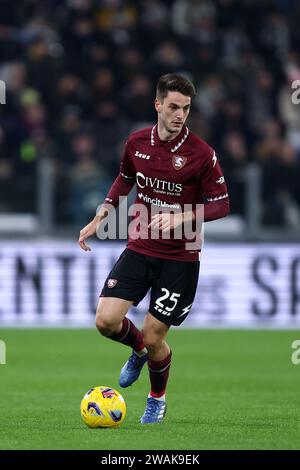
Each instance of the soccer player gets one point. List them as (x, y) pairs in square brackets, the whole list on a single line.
[(171, 167)]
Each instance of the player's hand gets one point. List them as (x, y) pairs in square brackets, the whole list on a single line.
[(85, 233), (165, 222)]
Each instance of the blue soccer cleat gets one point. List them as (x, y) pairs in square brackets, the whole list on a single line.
[(155, 411), (131, 370)]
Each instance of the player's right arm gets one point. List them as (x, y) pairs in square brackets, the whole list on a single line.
[(120, 187)]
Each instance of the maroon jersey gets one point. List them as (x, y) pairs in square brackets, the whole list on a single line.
[(168, 175)]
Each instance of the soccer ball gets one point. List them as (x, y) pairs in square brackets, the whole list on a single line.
[(103, 407)]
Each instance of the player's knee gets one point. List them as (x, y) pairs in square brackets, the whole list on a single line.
[(104, 326), (151, 340)]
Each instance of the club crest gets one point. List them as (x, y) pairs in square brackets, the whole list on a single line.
[(111, 283), (178, 162)]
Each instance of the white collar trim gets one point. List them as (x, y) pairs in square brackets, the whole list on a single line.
[(179, 144)]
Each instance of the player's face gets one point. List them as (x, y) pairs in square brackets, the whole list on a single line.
[(173, 111)]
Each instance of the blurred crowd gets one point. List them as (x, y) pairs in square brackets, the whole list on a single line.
[(81, 75)]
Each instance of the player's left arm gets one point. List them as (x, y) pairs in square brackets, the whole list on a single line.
[(213, 199), (213, 193)]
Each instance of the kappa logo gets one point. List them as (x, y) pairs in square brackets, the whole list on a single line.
[(178, 162), (142, 155), (111, 283)]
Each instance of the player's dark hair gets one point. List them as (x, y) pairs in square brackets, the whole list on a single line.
[(174, 82)]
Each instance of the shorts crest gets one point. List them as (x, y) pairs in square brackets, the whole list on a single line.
[(111, 283)]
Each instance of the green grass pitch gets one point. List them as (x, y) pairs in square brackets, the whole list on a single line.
[(228, 389)]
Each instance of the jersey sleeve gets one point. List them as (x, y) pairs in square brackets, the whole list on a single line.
[(127, 170), (212, 189), (124, 181), (213, 185)]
